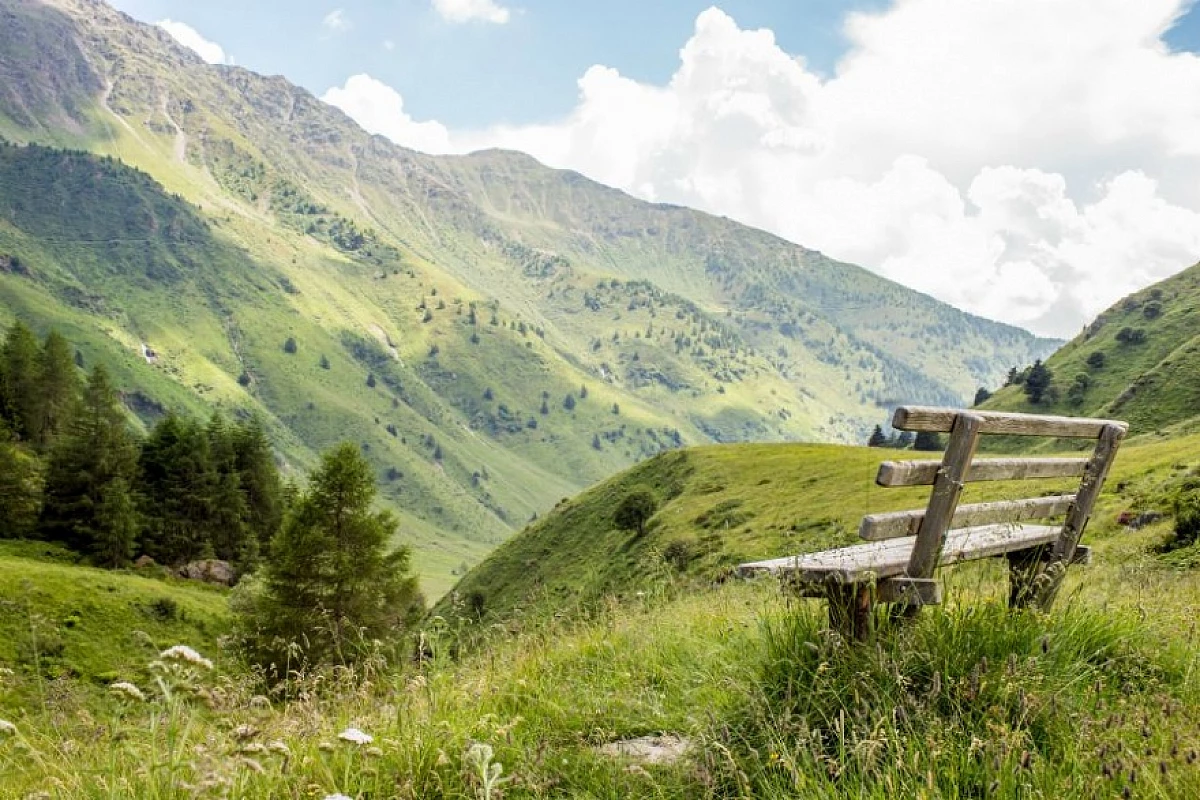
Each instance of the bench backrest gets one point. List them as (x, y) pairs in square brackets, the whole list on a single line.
[(959, 466)]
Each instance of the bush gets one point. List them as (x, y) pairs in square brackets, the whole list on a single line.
[(1185, 506), (1131, 335), (1096, 360), (635, 510)]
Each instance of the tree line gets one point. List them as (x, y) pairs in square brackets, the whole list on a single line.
[(72, 471)]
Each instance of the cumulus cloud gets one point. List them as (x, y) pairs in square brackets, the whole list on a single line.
[(336, 21), (1032, 162), (379, 109), (472, 11), (190, 38)]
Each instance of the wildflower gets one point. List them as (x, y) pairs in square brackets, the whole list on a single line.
[(278, 747), (7, 727), (253, 747), (337, 796), (355, 736), (181, 652), (128, 690)]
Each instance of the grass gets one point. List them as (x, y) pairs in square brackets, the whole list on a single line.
[(1094, 698), (65, 621)]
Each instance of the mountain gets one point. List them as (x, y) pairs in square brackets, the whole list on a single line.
[(1138, 361), (494, 333)]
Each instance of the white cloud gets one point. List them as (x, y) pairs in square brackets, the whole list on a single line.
[(379, 109), (472, 11), (389, 45), (336, 21), (1030, 161), (190, 38)]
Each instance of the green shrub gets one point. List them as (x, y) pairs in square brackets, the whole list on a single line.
[(635, 510)]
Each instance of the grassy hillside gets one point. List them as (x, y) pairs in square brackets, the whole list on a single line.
[(721, 506), (1138, 361), (494, 334), (1097, 698), (62, 620)]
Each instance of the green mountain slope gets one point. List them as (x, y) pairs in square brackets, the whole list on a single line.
[(1147, 370), (495, 334), (719, 506)]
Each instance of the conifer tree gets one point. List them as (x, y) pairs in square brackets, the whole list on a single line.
[(20, 490), (115, 537), (331, 583), (260, 481), (228, 531), (1037, 382), (91, 464), (176, 483), (19, 360), (57, 387), (877, 438)]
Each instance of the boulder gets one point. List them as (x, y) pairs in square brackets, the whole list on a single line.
[(210, 570)]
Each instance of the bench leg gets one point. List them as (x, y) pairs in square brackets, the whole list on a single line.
[(850, 610), (1026, 570)]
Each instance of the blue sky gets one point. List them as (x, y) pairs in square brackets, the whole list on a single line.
[(474, 74)]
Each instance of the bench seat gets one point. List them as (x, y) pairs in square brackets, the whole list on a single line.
[(874, 560)]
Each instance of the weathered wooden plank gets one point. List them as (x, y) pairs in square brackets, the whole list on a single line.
[(939, 512), (924, 473), (911, 591), (1065, 546), (877, 560), (894, 524), (941, 420)]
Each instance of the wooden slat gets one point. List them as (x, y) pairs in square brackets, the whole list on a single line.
[(878, 560), (892, 525), (1065, 546), (939, 512), (941, 420), (924, 473)]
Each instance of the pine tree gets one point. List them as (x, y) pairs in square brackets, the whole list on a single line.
[(20, 490), (927, 441), (228, 528), (177, 489), (260, 481), (1037, 382), (90, 465), (115, 537), (877, 438), (331, 583), (19, 359), (981, 395), (57, 387)]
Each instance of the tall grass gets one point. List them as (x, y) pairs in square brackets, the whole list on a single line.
[(973, 701)]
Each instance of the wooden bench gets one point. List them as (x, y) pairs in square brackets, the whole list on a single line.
[(905, 548)]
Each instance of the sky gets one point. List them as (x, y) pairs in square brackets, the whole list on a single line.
[(1031, 161)]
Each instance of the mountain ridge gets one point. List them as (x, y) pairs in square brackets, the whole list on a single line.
[(497, 333)]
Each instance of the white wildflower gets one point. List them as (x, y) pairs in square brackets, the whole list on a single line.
[(337, 796), (128, 690), (7, 727), (253, 748), (181, 652), (279, 747), (355, 736)]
